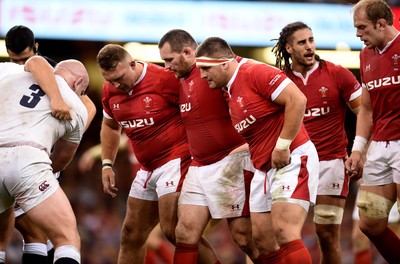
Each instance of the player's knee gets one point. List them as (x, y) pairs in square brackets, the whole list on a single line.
[(170, 235), (398, 205), (373, 206), (325, 214), (242, 236), (131, 236)]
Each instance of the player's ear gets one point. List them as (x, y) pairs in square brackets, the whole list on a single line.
[(381, 24), (77, 85), (187, 51), (35, 47), (288, 48)]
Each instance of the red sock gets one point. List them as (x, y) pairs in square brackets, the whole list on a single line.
[(388, 244), (273, 258), (296, 252), (165, 253), (150, 257), (363, 257), (186, 253)]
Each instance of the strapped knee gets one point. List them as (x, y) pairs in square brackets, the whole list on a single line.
[(326, 214), (373, 205), (398, 205)]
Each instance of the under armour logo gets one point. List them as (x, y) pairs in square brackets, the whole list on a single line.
[(335, 185), (43, 186), (116, 106), (168, 184), (235, 207), (287, 187)]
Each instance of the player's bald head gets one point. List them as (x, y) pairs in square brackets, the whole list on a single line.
[(73, 71)]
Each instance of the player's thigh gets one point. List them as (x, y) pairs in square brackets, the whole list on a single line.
[(141, 214), (29, 230), (56, 218), (192, 221), (287, 220), (240, 226), (7, 227), (168, 211)]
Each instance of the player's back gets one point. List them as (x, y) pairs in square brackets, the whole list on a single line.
[(26, 113)]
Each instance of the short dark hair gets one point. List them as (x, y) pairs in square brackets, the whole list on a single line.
[(20, 37), (178, 40), (110, 55), (215, 47)]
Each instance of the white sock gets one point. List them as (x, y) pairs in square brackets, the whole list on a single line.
[(2, 256), (67, 252), (35, 248), (50, 245)]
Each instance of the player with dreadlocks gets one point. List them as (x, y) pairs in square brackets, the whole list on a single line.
[(329, 89)]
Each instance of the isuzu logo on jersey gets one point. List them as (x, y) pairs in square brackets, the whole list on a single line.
[(185, 107), (245, 123), (323, 91), (140, 122), (387, 81), (316, 111)]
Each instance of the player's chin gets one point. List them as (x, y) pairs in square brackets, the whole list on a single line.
[(212, 85)]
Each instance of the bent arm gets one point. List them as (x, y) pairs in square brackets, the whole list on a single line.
[(44, 76), (294, 102), (90, 107), (63, 152)]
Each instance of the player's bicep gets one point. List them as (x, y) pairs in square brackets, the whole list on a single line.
[(289, 94)]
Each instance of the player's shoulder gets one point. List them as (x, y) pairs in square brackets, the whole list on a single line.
[(7, 68), (333, 67)]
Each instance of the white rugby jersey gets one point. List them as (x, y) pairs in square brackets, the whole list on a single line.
[(26, 114)]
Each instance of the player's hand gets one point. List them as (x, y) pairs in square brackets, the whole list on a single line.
[(354, 165), (60, 110), (280, 158), (108, 179)]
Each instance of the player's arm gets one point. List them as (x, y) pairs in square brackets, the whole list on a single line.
[(355, 105), (354, 163), (44, 76), (62, 154), (294, 102), (110, 135), (90, 107)]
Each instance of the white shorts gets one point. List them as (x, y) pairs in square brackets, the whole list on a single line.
[(18, 210), (223, 187), (383, 163), (150, 185), (26, 177), (295, 183), (333, 179)]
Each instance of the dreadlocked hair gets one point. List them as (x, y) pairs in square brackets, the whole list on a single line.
[(282, 56)]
